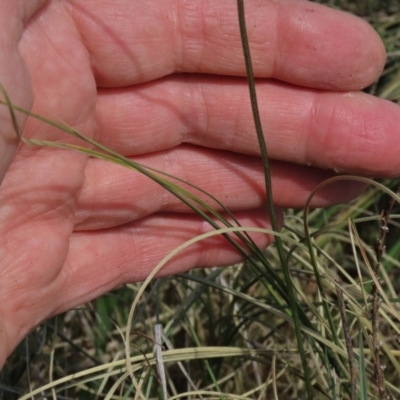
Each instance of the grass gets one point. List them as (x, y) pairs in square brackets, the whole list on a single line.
[(230, 333)]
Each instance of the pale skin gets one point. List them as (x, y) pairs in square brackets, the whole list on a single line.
[(163, 82)]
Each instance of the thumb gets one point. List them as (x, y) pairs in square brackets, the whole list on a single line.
[(14, 75)]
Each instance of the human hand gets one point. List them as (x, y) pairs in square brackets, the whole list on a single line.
[(163, 82)]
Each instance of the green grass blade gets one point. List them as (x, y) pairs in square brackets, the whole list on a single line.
[(270, 200)]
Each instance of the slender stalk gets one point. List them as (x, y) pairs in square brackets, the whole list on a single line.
[(268, 187)]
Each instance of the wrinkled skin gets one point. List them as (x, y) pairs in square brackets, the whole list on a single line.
[(163, 82)]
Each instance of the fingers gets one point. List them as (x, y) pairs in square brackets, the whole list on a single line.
[(346, 132), (88, 264), (101, 260), (293, 41), (110, 195)]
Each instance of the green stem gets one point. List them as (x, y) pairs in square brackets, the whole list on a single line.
[(268, 187)]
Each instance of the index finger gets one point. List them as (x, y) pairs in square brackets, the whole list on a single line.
[(299, 42)]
